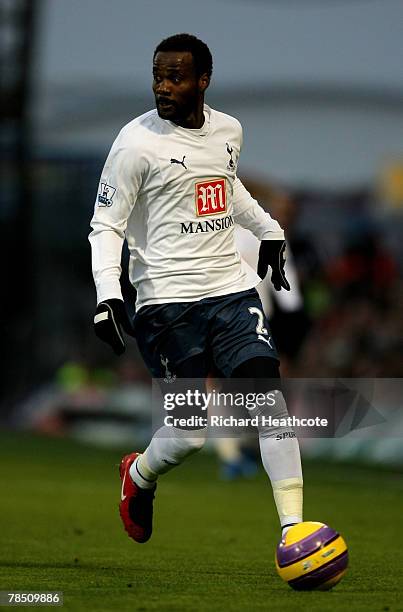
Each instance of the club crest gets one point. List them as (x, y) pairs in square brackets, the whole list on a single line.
[(231, 163), (169, 376)]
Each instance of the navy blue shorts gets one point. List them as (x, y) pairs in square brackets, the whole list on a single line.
[(222, 332)]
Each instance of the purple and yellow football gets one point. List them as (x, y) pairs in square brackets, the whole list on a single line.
[(311, 556)]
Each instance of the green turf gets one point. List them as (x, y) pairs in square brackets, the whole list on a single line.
[(213, 543)]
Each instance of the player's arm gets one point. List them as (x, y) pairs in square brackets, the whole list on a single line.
[(249, 214), (118, 187)]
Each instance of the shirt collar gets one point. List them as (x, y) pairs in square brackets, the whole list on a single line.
[(203, 131)]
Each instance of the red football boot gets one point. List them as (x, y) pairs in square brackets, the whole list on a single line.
[(136, 505)]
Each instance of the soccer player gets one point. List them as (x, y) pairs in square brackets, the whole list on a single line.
[(169, 186)]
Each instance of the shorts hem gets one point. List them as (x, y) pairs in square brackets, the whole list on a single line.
[(251, 355)]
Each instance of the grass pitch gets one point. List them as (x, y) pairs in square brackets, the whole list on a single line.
[(213, 542)]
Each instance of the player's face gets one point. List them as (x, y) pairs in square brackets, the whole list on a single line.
[(176, 86)]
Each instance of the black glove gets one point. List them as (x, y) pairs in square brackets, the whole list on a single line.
[(109, 321), (272, 253)]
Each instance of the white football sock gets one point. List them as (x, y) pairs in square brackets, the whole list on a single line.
[(282, 461), (168, 448)]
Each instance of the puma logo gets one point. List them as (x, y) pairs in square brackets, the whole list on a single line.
[(181, 163), (268, 340)]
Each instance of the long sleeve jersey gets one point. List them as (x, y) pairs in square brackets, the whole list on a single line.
[(174, 195)]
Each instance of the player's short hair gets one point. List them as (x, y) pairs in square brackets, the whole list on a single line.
[(202, 57)]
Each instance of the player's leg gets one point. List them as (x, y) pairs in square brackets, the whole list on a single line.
[(173, 351), (243, 348), (171, 445), (279, 446)]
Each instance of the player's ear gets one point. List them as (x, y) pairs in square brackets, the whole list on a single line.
[(204, 82)]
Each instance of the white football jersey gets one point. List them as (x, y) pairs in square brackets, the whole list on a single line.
[(174, 195)]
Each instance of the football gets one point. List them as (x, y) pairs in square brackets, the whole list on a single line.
[(311, 555)]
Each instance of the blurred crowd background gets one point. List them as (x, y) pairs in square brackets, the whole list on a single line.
[(318, 87)]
